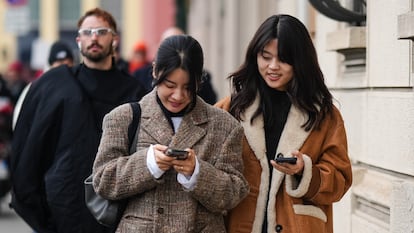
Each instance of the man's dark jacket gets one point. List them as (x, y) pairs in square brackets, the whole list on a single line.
[(55, 142)]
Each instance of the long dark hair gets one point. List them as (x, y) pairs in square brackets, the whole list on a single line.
[(306, 90), (180, 51)]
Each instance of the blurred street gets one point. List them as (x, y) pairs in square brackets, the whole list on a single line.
[(9, 221)]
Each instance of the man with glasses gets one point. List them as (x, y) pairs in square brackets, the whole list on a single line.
[(59, 128)]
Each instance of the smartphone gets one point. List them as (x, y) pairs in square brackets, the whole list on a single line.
[(178, 154), (291, 160)]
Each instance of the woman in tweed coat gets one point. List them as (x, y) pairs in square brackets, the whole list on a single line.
[(280, 98), (166, 194)]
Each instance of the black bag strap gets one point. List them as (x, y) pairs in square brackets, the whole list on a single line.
[(133, 126)]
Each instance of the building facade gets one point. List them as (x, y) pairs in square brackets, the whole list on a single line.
[(29, 27)]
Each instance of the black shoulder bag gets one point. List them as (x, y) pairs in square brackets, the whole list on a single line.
[(108, 212)]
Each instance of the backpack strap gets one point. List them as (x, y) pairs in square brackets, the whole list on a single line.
[(133, 126)]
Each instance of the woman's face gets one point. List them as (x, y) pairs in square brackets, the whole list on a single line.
[(275, 73), (174, 91)]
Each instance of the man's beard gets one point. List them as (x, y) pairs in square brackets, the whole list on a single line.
[(97, 57)]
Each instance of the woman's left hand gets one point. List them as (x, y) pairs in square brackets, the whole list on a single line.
[(291, 169), (186, 166)]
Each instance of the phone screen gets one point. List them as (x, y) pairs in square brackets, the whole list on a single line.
[(179, 154), (291, 160)]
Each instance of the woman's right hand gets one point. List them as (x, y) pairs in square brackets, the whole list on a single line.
[(163, 161), (291, 169)]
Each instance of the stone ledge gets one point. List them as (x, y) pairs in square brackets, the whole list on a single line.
[(347, 39), (406, 26), (372, 186)]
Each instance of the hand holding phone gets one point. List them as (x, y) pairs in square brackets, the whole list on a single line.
[(279, 158), (178, 154), (290, 160)]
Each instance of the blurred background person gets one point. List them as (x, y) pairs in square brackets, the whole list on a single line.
[(60, 53), (138, 57), (120, 62), (12, 85), (6, 109), (139, 65), (14, 80)]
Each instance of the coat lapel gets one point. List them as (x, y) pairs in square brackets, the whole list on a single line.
[(190, 131), (156, 125), (293, 135), (255, 133), (256, 137), (292, 138), (153, 121)]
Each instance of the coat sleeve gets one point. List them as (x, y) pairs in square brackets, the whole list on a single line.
[(221, 184), (328, 169), (34, 141), (116, 173)]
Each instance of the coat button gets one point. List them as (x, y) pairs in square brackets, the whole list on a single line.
[(278, 228), (160, 210)]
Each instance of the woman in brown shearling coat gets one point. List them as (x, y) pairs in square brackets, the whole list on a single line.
[(167, 194), (280, 98)]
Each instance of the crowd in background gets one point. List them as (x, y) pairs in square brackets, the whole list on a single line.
[(69, 121), (17, 78), (14, 84)]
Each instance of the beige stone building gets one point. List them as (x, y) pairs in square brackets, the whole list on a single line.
[(369, 69)]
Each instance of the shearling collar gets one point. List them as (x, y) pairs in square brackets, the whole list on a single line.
[(292, 138)]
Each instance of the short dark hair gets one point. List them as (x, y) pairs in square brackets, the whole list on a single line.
[(180, 51), (100, 13)]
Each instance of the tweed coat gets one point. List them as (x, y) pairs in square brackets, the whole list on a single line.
[(163, 205), (297, 205)]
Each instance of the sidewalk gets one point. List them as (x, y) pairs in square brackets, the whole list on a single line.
[(10, 221)]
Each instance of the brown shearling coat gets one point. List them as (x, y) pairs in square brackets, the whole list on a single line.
[(304, 206), (162, 205)]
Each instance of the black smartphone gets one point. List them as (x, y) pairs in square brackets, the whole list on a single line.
[(291, 160), (178, 154)]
